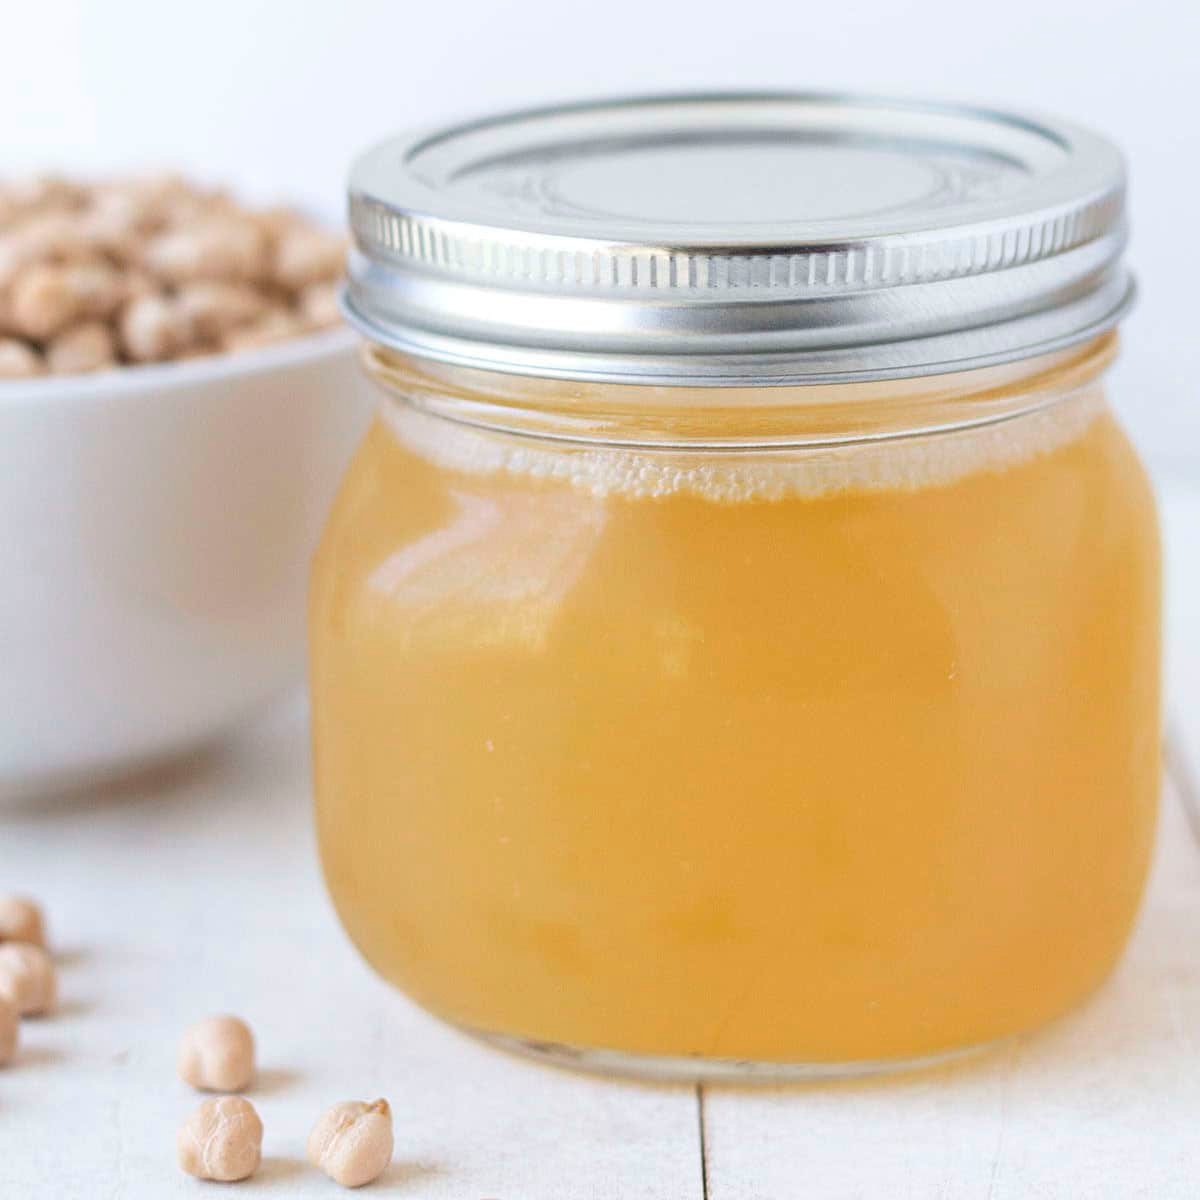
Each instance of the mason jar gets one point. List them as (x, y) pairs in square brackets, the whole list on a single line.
[(735, 648)]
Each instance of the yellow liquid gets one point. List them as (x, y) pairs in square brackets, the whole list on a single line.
[(769, 762)]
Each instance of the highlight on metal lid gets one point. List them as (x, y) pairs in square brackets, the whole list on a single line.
[(749, 238)]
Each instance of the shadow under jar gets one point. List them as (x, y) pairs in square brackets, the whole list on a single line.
[(735, 648)]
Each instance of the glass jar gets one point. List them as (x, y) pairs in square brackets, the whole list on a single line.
[(780, 700)]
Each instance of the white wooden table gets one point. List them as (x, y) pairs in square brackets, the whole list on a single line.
[(197, 890)]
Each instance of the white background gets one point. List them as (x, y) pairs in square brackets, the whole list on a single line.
[(277, 95)]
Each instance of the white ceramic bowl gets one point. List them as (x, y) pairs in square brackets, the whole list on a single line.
[(156, 525)]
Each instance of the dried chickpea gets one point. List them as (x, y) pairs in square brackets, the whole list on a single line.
[(277, 221), (99, 288), (27, 977), (352, 1142), (17, 360), (23, 198), (277, 325), (10, 1023), (216, 309), (109, 237), (136, 283), (15, 255), (50, 237), (42, 193), (217, 1055), (122, 211), (305, 254), (43, 301), (154, 328), (21, 921), (139, 205), (319, 304), (159, 188), (173, 269), (223, 249), (82, 348), (6, 318), (221, 1140), (199, 205)]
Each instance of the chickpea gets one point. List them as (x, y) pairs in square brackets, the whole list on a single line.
[(43, 193), (194, 205), (307, 255), (47, 240), (17, 360), (352, 1142), (15, 255), (137, 207), (20, 199), (158, 189), (98, 287), (221, 1140), (319, 304), (216, 309), (153, 328), (10, 1022), (228, 249), (172, 269), (277, 221), (7, 328), (217, 1055), (27, 977), (43, 301), (86, 347), (21, 920), (277, 325), (107, 236), (50, 237), (136, 283), (117, 220)]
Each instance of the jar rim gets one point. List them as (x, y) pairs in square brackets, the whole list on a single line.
[(628, 417)]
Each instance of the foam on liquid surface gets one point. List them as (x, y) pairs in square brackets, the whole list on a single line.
[(904, 463)]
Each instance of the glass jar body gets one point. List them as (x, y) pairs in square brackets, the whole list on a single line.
[(705, 757)]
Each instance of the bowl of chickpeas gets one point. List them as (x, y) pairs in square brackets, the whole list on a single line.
[(178, 399)]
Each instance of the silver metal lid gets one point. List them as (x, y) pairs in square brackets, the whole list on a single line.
[(734, 239)]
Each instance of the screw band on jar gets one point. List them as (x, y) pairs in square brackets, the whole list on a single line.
[(627, 241)]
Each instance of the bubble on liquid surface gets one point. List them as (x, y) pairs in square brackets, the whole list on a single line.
[(906, 463)]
